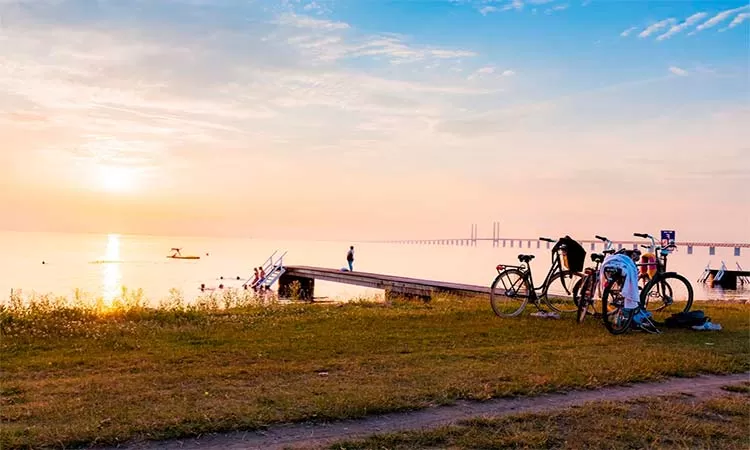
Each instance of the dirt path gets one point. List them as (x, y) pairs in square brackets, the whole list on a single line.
[(308, 435)]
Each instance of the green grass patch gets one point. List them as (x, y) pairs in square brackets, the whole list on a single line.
[(89, 374), (742, 388), (663, 422)]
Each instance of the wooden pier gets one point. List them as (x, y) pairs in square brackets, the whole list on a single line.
[(727, 279), (393, 286)]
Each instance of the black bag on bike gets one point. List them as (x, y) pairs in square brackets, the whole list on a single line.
[(575, 253), (686, 319)]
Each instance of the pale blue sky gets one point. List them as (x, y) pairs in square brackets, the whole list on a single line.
[(184, 115)]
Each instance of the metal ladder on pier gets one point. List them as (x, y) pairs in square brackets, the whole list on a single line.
[(742, 279), (273, 268), (720, 274), (706, 273)]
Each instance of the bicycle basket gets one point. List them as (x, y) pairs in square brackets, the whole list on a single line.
[(574, 255)]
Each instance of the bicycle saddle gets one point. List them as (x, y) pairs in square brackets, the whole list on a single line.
[(609, 252), (525, 258), (610, 272), (597, 257)]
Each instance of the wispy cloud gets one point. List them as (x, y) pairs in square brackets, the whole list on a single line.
[(329, 41), (653, 28), (483, 71), (232, 89), (488, 9), (555, 8), (676, 28), (718, 18), (484, 7), (690, 21), (627, 32), (514, 4), (678, 71), (490, 72), (737, 20), (301, 21)]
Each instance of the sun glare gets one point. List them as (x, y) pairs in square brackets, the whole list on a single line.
[(116, 179)]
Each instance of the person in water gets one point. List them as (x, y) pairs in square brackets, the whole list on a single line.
[(350, 258)]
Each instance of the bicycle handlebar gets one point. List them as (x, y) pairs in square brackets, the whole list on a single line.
[(601, 238), (547, 239), (647, 236)]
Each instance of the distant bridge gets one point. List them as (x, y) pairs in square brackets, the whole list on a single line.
[(502, 241)]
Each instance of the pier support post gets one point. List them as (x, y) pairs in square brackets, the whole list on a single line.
[(306, 287)]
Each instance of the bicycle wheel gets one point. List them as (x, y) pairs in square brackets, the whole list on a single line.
[(586, 296), (616, 319), (509, 293), (561, 293), (667, 293)]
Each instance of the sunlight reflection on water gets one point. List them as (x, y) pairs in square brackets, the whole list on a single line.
[(111, 273)]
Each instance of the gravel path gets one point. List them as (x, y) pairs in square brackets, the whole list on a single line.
[(312, 435)]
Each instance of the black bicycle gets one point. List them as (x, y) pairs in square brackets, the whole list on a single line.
[(591, 287), (513, 286), (663, 292), (617, 319)]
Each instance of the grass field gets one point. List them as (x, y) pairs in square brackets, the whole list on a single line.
[(674, 422), (81, 375)]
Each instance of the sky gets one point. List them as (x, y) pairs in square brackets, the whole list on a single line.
[(365, 119)]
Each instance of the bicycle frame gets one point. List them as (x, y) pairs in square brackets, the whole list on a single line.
[(526, 269), (594, 271)]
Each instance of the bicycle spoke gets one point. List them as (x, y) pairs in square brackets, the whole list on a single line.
[(667, 294)]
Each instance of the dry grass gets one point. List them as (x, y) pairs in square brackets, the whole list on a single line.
[(649, 423), (82, 375)]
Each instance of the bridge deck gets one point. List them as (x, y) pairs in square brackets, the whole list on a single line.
[(389, 283)]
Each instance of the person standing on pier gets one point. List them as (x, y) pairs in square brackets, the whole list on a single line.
[(350, 258)]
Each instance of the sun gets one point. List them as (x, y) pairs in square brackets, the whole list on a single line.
[(117, 179)]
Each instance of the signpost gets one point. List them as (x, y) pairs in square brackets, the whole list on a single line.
[(667, 238)]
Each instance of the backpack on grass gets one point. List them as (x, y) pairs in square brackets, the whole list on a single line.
[(686, 319)]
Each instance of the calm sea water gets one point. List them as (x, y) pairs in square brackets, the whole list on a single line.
[(100, 265)]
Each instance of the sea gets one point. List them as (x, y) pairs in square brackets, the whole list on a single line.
[(100, 265)]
